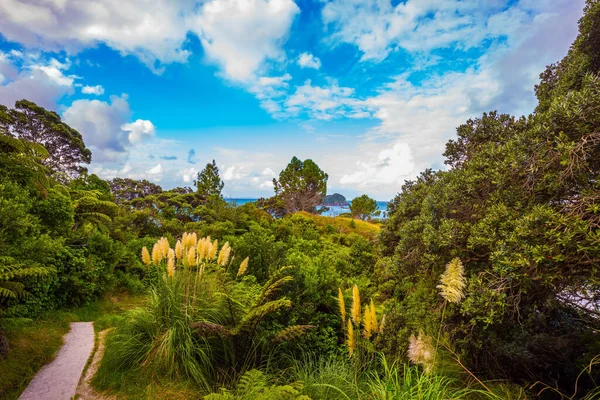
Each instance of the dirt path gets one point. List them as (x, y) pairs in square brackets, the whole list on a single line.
[(59, 379), (85, 390)]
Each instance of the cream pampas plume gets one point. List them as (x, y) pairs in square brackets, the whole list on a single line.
[(156, 254), (452, 282), (367, 332), (179, 250), (355, 305), (421, 351), (191, 256), (373, 318), (164, 246), (382, 325), (200, 249), (213, 250), (224, 255), (171, 263), (146, 256), (243, 267), (351, 340), (193, 240), (342, 306)]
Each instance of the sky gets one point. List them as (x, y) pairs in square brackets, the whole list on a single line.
[(371, 90)]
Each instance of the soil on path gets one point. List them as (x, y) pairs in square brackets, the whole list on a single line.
[(59, 379), (85, 390)]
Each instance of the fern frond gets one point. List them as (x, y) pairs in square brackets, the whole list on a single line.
[(259, 312), (291, 332)]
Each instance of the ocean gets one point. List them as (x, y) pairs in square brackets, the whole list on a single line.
[(332, 212)]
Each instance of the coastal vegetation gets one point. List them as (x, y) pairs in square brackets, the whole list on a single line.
[(482, 282)]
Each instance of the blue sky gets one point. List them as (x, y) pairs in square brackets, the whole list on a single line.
[(370, 90)]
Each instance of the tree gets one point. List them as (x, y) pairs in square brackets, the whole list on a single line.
[(302, 186), (364, 207), (519, 207), (208, 181), (66, 150), (125, 189)]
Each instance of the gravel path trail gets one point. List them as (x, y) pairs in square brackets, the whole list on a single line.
[(58, 380)]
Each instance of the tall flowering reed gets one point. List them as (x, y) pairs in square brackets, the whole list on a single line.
[(368, 321), (452, 282)]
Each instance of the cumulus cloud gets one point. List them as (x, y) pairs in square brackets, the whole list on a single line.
[(33, 78), (391, 167), (188, 174), (378, 29), (325, 102), (240, 35), (153, 31), (97, 90), (307, 60), (104, 127), (139, 130)]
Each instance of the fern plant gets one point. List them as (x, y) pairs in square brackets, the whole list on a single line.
[(253, 385), (10, 273)]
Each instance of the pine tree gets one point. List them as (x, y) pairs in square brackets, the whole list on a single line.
[(208, 181)]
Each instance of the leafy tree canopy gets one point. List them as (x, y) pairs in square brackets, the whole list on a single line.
[(209, 182), (301, 185), (125, 189), (364, 207), (66, 150)]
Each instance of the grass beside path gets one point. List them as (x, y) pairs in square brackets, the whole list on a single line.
[(34, 342)]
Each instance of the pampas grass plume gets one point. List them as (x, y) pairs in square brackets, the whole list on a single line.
[(351, 339), (243, 267), (421, 351), (179, 250), (224, 255), (191, 256), (355, 305), (156, 254), (171, 263), (342, 305), (452, 281), (146, 256), (213, 250)]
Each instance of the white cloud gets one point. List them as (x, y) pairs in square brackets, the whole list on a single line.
[(240, 35), (139, 130), (392, 166), (324, 102), (156, 170), (105, 129), (307, 60), (32, 78), (379, 28), (268, 172), (233, 173), (153, 31), (188, 175), (97, 90)]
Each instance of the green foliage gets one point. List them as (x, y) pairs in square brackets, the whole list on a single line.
[(364, 207), (65, 147), (201, 323), (253, 385), (301, 186), (519, 208), (208, 182)]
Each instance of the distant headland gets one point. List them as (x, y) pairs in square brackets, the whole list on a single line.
[(335, 199)]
